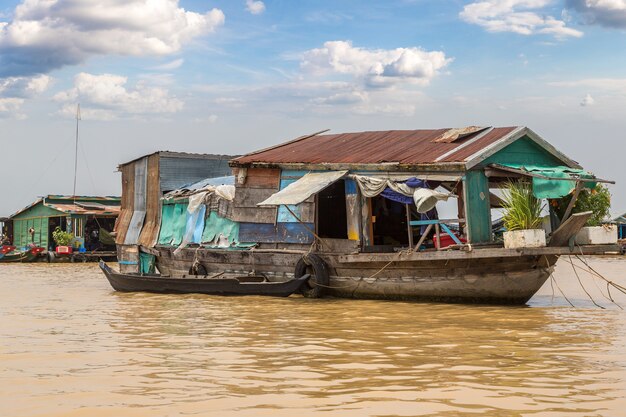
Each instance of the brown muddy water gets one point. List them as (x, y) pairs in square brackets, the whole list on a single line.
[(71, 346)]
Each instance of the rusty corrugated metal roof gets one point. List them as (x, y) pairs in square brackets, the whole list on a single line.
[(76, 209), (399, 146)]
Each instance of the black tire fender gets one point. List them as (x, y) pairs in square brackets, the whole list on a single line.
[(315, 266)]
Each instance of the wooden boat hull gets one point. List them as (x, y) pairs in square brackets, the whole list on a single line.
[(16, 257), (490, 280), (217, 286)]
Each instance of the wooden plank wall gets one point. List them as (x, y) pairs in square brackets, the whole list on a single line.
[(259, 184), (127, 204), (265, 224), (477, 207)]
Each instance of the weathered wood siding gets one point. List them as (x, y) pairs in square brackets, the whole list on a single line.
[(523, 151), (477, 207), (258, 185), (21, 237), (279, 233), (270, 224)]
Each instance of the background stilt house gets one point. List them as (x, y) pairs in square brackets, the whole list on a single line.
[(79, 215), (144, 181), (470, 163)]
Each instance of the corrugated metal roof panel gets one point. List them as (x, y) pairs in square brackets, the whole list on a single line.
[(176, 172), (76, 209), (399, 146)]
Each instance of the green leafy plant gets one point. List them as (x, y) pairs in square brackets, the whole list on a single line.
[(62, 238), (597, 200), (522, 210)]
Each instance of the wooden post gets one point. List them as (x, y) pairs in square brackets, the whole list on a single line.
[(352, 210), (438, 234), (423, 237), (408, 225), (570, 206)]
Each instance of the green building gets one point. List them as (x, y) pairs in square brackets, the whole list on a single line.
[(89, 219)]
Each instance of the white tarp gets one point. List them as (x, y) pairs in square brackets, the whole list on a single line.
[(305, 187)]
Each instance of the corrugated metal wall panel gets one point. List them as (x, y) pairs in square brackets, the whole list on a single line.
[(176, 172), (139, 205)]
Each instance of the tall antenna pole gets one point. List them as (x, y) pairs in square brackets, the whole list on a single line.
[(76, 151)]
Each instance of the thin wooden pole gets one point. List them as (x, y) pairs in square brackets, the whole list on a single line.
[(423, 237), (570, 206), (408, 225)]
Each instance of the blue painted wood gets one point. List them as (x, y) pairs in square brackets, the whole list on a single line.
[(423, 222), (452, 235), (281, 233), (351, 187), (283, 214), (292, 173)]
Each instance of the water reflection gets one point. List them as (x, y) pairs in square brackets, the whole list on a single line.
[(69, 343)]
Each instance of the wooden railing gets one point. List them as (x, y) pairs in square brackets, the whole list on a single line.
[(438, 224)]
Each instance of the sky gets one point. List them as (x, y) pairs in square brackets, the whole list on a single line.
[(232, 76)]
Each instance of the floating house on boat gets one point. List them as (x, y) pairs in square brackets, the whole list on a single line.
[(80, 215), (358, 211), (144, 182), (621, 226)]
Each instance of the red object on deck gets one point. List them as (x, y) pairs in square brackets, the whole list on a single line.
[(446, 240), (37, 250), (6, 249), (63, 250)]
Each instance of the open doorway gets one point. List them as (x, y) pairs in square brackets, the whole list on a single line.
[(332, 219), (98, 234), (53, 223), (389, 223)]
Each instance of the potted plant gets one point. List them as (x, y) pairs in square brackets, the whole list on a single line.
[(61, 238), (522, 217), (596, 231)]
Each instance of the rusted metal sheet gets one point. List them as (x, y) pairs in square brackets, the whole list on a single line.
[(400, 146), (128, 200), (150, 231), (77, 209), (452, 135)]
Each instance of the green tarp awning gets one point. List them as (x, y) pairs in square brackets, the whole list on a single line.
[(552, 186)]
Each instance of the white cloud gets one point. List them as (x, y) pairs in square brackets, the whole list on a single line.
[(255, 6), (14, 91), (377, 67), (587, 101), (107, 97), (518, 16), (610, 13), (10, 107), (24, 87), (49, 34), (168, 66)]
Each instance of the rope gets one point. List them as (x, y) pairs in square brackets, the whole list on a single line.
[(582, 286), (306, 226), (557, 284)]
